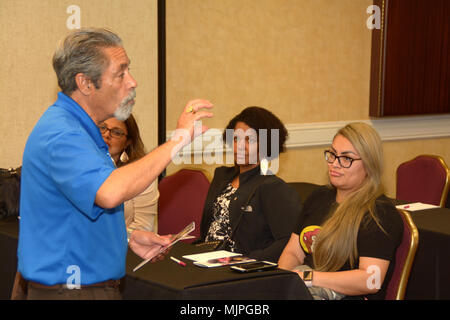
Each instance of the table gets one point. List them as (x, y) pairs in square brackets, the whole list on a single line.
[(429, 278), (430, 274), (8, 256), (167, 280)]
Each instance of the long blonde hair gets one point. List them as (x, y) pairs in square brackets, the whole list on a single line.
[(337, 241)]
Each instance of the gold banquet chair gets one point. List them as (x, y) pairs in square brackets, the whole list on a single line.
[(423, 179), (404, 258)]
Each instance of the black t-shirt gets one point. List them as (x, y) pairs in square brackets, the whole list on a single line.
[(372, 241)]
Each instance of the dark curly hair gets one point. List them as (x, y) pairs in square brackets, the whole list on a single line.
[(258, 119)]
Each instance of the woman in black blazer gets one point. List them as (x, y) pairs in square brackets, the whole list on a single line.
[(249, 209)]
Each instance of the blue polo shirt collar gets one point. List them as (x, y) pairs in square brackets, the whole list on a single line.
[(67, 103)]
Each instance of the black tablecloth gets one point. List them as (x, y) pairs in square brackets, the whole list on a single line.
[(429, 279), (430, 275), (8, 257), (167, 280)]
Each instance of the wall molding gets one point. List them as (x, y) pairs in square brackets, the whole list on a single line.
[(392, 129), (307, 135)]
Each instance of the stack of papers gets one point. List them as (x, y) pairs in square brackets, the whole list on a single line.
[(416, 206), (217, 259)]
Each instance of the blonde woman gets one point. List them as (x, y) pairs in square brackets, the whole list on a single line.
[(344, 244)]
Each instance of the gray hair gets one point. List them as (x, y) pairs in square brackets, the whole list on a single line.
[(81, 52)]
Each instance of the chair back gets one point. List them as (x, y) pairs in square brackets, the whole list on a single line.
[(404, 258), (423, 179), (304, 189), (182, 196)]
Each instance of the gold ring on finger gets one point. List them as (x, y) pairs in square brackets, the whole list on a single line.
[(190, 109)]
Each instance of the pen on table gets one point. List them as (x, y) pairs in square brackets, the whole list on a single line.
[(181, 263), (406, 207)]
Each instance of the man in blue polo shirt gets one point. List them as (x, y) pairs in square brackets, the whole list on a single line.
[(73, 240)]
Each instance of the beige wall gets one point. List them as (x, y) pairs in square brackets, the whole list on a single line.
[(306, 60), (29, 34)]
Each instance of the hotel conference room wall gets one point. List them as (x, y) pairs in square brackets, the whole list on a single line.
[(30, 31), (306, 60)]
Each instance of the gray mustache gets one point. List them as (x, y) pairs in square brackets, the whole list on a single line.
[(131, 96)]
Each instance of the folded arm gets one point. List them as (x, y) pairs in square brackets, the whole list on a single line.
[(367, 279)]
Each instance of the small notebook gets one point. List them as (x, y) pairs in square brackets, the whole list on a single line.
[(416, 206)]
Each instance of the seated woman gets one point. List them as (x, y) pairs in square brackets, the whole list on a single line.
[(349, 230), (125, 145), (249, 212)]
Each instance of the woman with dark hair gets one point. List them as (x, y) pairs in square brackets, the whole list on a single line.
[(125, 146), (248, 209)]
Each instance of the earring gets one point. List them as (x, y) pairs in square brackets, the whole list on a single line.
[(124, 157), (264, 165)]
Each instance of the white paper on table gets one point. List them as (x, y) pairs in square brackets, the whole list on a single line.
[(416, 206), (211, 255)]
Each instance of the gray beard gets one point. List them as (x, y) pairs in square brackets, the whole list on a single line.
[(125, 108), (123, 112)]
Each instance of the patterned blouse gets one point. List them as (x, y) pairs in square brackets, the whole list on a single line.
[(220, 228)]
